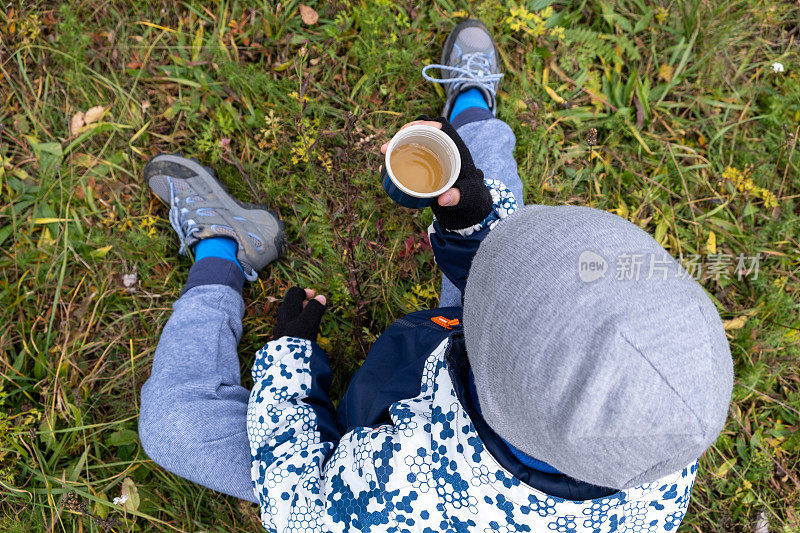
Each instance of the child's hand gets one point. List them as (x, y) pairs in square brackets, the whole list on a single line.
[(299, 314), (451, 196), (469, 201)]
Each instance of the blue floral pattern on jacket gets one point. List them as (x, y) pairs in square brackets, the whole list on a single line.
[(427, 471)]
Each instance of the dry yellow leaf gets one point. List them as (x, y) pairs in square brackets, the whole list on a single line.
[(45, 239), (725, 467), (665, 72), (49, 220), (554, 95), (94, 114), (130, 494), (734, 323), (711, 243), (76, 123), (308, 15)]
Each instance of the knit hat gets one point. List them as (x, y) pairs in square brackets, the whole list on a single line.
[(593, 349)]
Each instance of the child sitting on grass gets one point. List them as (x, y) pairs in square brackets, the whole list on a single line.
[(569, 393)]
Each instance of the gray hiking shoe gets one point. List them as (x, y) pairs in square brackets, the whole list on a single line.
[(469, 60), (201, 207)]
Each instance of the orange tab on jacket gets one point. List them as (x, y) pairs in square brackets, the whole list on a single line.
[(446, 323)]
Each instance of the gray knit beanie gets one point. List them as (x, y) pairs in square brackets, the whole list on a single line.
[(592, 349)]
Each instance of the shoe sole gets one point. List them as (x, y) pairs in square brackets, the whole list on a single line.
[(210, 176)]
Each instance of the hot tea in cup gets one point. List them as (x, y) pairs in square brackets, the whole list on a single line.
[(421, 163), (417, 167)]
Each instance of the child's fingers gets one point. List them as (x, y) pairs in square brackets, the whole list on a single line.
[(430, 123), (310, 293), (450, 197), (412, 123), (321, 299)]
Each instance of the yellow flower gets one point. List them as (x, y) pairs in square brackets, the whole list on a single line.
[(515, 25), (293, 95), (747, 185), (325, 161), (148, 225), (534, 24)]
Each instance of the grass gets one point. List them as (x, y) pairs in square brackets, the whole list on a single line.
[(666, 112)]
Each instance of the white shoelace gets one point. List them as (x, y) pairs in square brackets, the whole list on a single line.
[(473, 68), (184, 229)]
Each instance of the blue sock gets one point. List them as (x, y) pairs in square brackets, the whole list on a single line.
[(470, 98), (221, 247)]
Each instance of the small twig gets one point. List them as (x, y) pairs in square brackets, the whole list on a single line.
[(233, 160), (788, 162), (561, 74), (767, 396), (4, 130)]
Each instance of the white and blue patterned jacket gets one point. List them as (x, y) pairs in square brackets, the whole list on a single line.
[(408, 450)]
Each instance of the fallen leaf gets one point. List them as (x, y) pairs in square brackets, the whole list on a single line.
[(94, 114), (554, 95), (76, 123), (130, 494), (639, 112), (45, 239), (725, 467), (49, 220), (661, 231), (135, 63), (735, 323), (308, 15), (100, 252), (665, 72), (711, 243)]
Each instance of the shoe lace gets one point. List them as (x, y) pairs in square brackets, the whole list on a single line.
[(185, 228), (474, 68)]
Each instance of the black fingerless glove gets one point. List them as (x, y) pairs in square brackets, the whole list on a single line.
[(476, 201), (294, 320)]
